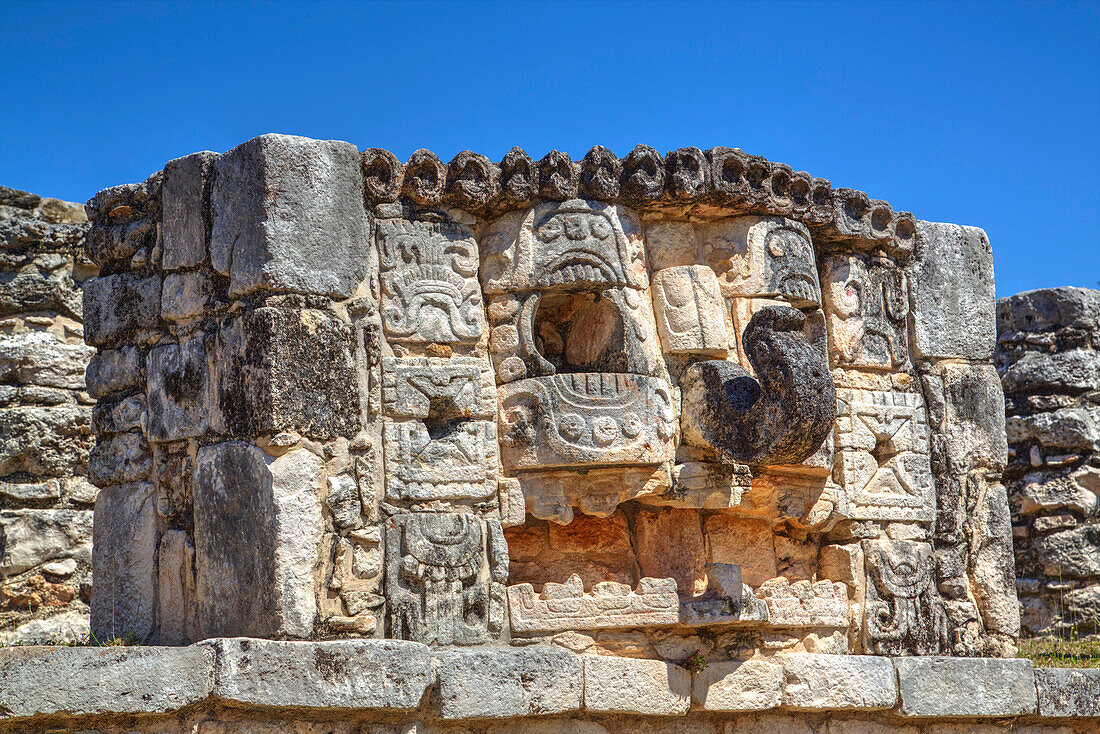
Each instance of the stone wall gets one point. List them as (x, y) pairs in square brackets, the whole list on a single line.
[(243, 686), (1048, 357), (640, 407), (45, 421)]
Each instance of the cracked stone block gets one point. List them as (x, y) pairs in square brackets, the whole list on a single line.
[(124, 563), (258, 538), (288, 216)]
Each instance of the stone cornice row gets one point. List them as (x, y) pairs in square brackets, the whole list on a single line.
[(52, 683), (718, 181)]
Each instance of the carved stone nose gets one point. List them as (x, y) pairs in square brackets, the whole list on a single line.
[(782, 416)]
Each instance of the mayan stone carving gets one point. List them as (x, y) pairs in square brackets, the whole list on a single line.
[(633, 407)]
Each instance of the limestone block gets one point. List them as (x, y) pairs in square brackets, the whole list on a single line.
[(177, 611), (739, 685), (70, 626), (1070, 371), (29, 538), (430, 290), (110, 416), (1064, 428), (671, 244), (500, 683), (124, 563), (771, 724), (117, 307), (437, 388), (952, 294), (975, 410), (746, 542), (185, 296), (690, 311), (1076, 491), (185, 210), (459, 463), (424, 548), (814, 681), (258, 536), (991, 560), (122, 458), (178, 384), (903, 613), (44, 440), (971, 687), (340, 674), (42, 358), (1046, 309), (669, 544), (102, 680), (277, 369), (763, 256), (1073, 553), (114, 370), (288, 216), (609, 605), (629, 685), (1068, 692)]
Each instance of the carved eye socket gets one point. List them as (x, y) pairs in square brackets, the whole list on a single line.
[(600, 229), (571, 426), (550, 230), (576, 228)]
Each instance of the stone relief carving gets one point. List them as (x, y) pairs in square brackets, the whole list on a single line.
[(866, 304), (690, 311), (445, 577), (882, 458), (608, 605), (903, 614), (423, 387), (447, 461), (429, 282)]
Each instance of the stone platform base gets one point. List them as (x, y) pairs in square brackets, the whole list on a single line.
[(394, 687)]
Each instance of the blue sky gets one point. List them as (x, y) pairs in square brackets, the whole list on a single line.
[(977, 113)]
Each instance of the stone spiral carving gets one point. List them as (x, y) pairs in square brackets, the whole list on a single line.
[(780, 417)]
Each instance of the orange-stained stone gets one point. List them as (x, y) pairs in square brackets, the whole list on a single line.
[(527, 542), (744, 541), (588, 535), (670, 545)]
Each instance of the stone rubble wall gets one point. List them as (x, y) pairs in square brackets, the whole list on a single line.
[(46, 498), (1048, 356), (397, 687)]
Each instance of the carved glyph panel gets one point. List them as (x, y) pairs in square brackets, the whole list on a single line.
[(457, 460), (422, 387), (903, 613), (609, 605), (866, 304), (882, 459), (690, 311), (445, 575), (429, 282)]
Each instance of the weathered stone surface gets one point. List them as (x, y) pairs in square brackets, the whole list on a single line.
[(1073, 553), (114, 370), (763, 256), (953, 316), (669, 544), (117, 307), (29, 538), (118, 459), (973, 687), (975, 410), (288, 216), (277, 369), (178, 383), (903, 613), (1075, 370), (177, 609), (866, 305), (258, 532), (563, 607), (185, 296), (813, 681), (70, 626), (1065, 428), (341, 674), (689, 309), (1068, 692), (44, 440), (1045, 309), (102, 680), (41, 358), (739, 685), (742, 541), (185, 207), (125, 563), (628, 685), (501, 683)]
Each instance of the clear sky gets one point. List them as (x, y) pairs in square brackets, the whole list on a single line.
[(977, 113)]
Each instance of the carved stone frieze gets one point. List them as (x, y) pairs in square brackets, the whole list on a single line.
[(448, 460), (586, 419), (431, 387), (882, 459), (903, 614), (429, 282), (445, 576), (866, 304), (608, 605)]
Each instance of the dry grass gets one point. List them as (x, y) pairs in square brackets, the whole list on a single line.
[(1069, 651)]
